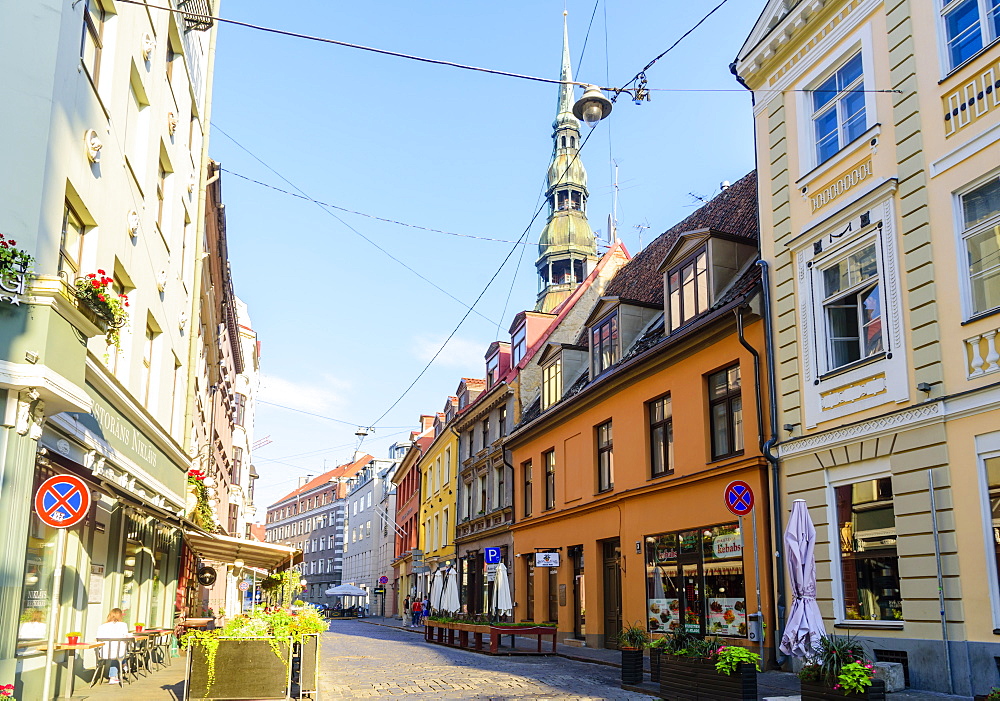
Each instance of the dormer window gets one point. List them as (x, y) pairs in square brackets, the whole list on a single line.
[(551, 383), (687, 286), (604, 344), (492, 371), (518, 345)]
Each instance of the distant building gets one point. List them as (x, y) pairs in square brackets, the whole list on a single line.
[(362, 525)]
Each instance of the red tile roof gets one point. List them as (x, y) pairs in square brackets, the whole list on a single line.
[(733, 211), (258, 532), (346, 470)]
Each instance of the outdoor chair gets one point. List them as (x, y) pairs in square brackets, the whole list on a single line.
[(141, 658), (159, 650), (116, 652)]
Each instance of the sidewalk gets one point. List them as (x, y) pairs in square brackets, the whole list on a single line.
[(771, 684)]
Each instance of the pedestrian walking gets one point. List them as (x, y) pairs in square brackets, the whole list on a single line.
[(418, 611), (406, 608), (425, 606)]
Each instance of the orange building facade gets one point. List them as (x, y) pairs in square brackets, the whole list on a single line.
[(620, 473)]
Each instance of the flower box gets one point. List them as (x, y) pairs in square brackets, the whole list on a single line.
[(305, 664), (814, 691), (695, 679), (244, 669), (655, 654)]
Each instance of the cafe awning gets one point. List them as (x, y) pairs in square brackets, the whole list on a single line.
[(253, 553)]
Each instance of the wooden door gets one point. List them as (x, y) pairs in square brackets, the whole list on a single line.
[(612, 593)]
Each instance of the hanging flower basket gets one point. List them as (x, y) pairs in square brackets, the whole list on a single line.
[(94, 291)]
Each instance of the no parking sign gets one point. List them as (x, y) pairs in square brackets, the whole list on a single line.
[(62, 501)]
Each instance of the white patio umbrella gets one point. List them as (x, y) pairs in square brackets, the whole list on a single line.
[(449, 599), (437, 590), (346, 590), (804, 626), (502, 603)]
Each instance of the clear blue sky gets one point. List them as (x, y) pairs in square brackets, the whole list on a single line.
[(344, 328)]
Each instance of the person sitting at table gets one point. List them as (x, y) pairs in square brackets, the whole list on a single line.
[(114, 627)]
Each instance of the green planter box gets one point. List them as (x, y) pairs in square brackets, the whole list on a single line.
[(694, 679), (244, 669), (811, 691)]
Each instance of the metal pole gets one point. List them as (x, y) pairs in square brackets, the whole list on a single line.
[(940, 580), (54, 604), (756, 578)]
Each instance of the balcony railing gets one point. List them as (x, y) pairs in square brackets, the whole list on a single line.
[(982, 355)]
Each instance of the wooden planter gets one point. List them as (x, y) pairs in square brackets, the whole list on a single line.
[(695, 679), (305, 664), (631, 666), (655, 654), (469, 636), (814, 691), (244, 669)]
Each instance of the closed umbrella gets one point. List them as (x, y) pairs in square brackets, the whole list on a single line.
[(437, 590), (449, 599), (502, 603), (804, 626)]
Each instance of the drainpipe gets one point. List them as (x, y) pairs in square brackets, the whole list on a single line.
[(772, 442)]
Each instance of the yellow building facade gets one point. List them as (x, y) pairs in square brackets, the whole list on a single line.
[(438, 467), (877, 128)]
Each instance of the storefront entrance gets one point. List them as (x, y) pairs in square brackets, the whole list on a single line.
[(612, 593), (579, 598)]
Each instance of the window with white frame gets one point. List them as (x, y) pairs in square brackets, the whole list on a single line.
[(551, 383), (688, 289), (852, 307), (492, 371), (518, 345), (980, 221), (969, 25), (838, 109), (604, 344)]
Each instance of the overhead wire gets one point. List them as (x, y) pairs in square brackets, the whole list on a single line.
[(366, 238)]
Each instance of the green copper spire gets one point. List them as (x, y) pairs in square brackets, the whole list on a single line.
[(567, 249)]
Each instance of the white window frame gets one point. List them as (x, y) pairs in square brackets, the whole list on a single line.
[(986, 33), (518, 344), (808, 158), (832, 393), (552, 372), (852, 473), (988, 446), (968, 310)]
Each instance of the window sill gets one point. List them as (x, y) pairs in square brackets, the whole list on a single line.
[(723, 458), (981, 315), (869, 625), (653, 478), (853, 366)]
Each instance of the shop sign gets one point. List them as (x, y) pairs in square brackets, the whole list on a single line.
[(727, 546), (546, 559)]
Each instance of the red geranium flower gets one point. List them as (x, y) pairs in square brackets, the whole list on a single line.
[(13, 242), (100, 272), (100, 297), (96, 285)]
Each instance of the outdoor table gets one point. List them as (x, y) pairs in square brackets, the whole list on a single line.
[(70, 651), (195, 622)]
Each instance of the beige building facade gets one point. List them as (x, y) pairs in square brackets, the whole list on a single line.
[(877, 126)]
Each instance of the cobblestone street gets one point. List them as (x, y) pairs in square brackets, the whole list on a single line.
[(361, 660)]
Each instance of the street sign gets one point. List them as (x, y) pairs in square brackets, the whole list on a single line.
[(383, 580), (491, 555), (379, 590), (491, 572), (739, 498), (244, 585), (62, 501)]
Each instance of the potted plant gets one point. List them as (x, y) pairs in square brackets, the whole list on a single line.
[(139, 627), (839, 668), (94, 290), (7, 692), (15, 266), (703, 668), (632, 640), (994, 695), (73, 638), (656, 649)]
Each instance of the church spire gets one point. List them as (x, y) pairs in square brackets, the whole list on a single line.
[(567, 249)]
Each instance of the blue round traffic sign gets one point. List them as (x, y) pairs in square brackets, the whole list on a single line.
[(739, 497), (62, 501)]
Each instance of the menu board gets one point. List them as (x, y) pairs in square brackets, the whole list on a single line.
[(663, 614), (727, 617)]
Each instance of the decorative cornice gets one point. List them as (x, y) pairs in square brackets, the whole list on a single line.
[(59, 393), (907, 419)]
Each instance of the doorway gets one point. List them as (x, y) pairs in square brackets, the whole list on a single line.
[(579, 595), (612, 592)]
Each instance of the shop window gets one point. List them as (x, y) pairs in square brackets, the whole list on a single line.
[(661, 437), (695, 582), (605, 458), (869, 563), (529, 611), (553, 594), (980, 215), (726, 412), (993, 482), (39, 566)]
